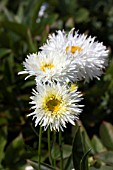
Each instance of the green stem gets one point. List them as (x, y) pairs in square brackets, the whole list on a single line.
[(49, 146), (61, 150), (54, 141), (39, 147)]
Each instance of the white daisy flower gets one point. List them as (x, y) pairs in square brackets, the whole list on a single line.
[(53, 66), (55, 105), (90, 56), (55, 42)]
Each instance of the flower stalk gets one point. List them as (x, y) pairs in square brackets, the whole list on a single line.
[(49, 146), (54, 142), (39, 147), (61, 150)]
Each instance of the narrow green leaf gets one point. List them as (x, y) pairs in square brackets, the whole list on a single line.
[(31, 12), (11, 67), (106, 133), (16, 28), (77, 149), (81, 145), (32, 45), (35, 11), (3, 140), (43, 165), (4, 51), (87, 142), (55, 152), (84, 161), (8, 14), (28, 84), (68, 164), (42, 25), (20, 12), (9, 70)]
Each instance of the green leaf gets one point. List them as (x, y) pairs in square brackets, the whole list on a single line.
[(28, 84), (81, 15), (9, 71), (10, 63), (3, 138), (106, 133), (4, 51), (87, 141), (14, 151), (81, 145), (68, 164), (32, 45), (8, 14), (16, 28), (20, 13), (97, 144), (84, 161), (101, 168), (106, 157), (55, 152), (35, 11), (77, 148), (42, 24), (43, 166), (31, 12), (67, 151)]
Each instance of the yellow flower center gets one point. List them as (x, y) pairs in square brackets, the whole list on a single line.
[(53, 104), (45, 66), (73, 49)]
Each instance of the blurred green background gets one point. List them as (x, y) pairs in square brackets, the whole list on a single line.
[(24, 27)]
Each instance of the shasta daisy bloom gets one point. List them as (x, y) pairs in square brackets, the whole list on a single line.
[(53, 66), (55, 106), (90, 56), (55, 42)]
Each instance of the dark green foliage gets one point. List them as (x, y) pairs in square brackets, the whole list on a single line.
[(23, 31), (79, 151)]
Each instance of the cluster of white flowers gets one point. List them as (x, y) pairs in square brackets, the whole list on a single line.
[(63, 59)]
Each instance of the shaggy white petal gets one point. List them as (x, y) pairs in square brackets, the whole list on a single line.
[(90, 56), (54, 66), (55, 106)]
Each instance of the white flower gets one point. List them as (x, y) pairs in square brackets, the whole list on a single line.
[(55, 42), (55, 105), (90, 56), (29, 167), (54, 66)]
